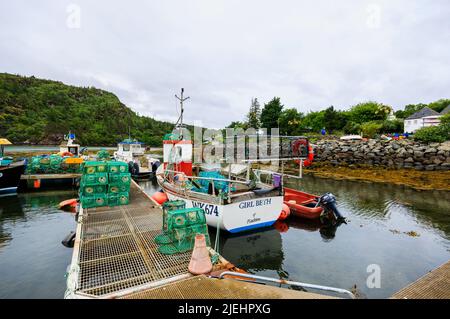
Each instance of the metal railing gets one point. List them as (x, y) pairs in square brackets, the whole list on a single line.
[(287, 282)]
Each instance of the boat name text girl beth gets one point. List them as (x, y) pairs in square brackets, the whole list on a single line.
[(255, 203)]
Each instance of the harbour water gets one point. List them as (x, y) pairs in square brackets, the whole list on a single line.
[(397, 231)]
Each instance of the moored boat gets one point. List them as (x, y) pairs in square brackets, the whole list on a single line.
[(10, 171), (140, 165), (231, 199), (302, 204), (305, 205)]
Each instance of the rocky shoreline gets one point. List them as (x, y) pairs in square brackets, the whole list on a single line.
[(403, 154)]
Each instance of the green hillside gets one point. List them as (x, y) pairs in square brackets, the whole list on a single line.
[(40, 111)]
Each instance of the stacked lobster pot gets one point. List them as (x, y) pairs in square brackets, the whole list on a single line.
[(104, 184), (180, 226), (54, 164)]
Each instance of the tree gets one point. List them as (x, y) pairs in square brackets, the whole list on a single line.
[(237, 124), (334, 120), (254, 114), (314, 121), (439, 105), (409, 110), (289, 122), (366, 112), (369, 129), (271, 113), (383, 110)]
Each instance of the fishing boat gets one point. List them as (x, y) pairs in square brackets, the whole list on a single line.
[(68, 147), (10, 171), (231, 203), (231, 199), (132, 151)]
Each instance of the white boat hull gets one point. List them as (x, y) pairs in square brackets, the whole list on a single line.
[(238, 217)]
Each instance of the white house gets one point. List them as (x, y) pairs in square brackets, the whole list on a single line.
[(424, 117)]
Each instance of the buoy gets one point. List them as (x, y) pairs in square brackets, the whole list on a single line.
[(69, 240), (69, 204), (37, 183), (160, 197), (200, 262), (285, 212)]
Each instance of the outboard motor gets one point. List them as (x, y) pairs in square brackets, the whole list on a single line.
[(328, 201), (155, 166), (133, 168)]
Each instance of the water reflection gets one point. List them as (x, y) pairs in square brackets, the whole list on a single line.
[(10, 208), (257, 250), (375, 201), (327, 229), (32, 260)]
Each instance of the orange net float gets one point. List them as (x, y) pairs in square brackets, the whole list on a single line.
[(285, 212), (69, 205), (160, 197)]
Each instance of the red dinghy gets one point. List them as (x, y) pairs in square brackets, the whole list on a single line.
[(302, 204)]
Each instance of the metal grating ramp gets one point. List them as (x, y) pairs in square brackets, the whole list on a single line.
[(116, 250), (434, 285), (201, 287)]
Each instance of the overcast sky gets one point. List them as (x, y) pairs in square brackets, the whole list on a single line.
[(312, 54)]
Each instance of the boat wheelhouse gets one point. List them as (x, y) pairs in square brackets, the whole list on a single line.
[(132, 152), (233, 197), (68, 146), (128, 150)]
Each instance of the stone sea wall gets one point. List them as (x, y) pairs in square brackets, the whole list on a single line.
[(390, 154)]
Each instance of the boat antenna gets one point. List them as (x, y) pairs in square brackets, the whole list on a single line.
[(179, 123)]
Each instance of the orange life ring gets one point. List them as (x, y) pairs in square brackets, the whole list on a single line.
[(309, 160), (66, 154)]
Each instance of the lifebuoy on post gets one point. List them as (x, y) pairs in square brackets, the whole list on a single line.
[(297, 151)]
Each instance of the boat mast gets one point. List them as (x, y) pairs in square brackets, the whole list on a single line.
[(180, 122)]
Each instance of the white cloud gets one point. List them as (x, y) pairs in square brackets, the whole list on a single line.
[(311, 54)]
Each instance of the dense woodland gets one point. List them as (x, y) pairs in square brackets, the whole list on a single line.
[(40, 111)]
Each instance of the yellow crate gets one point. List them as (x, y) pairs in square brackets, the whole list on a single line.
[(73, 160)]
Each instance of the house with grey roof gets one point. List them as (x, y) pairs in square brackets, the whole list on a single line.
[(423, 118), (446, 110)]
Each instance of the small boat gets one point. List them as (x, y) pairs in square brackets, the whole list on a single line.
[(141, 166), (302, 204), (10, 171), (68, 147), (310, 206)]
